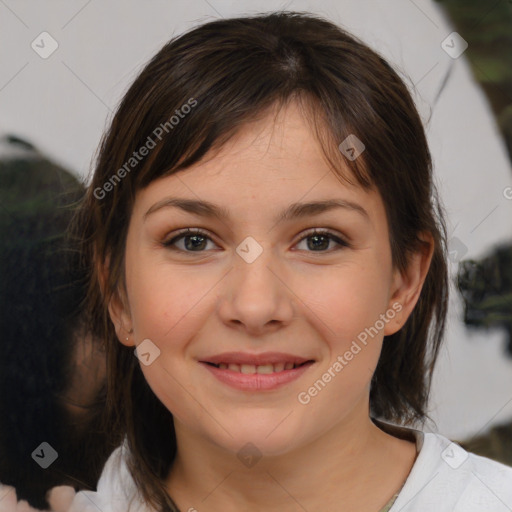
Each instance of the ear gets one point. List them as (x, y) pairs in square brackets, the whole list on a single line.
[(407, 285), (119, 311), (118, 307)]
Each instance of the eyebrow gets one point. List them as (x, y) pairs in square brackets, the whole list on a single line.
[(293, 211)]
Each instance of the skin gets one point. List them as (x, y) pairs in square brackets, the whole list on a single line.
[(59, 499), (293, 298)]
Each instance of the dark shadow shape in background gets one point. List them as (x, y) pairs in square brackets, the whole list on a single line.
[(52, 386)]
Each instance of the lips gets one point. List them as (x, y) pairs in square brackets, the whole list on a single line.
[(266, 359), (251, 371), (261, 369)]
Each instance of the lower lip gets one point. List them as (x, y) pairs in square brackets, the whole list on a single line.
[(257, 381)]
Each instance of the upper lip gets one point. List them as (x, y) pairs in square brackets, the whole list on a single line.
[(255, 359)]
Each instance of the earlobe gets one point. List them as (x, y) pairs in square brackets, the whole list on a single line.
[(119, 314), (407, 285), (118, 309)]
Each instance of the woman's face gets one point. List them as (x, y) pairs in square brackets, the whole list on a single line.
[(258, 292)]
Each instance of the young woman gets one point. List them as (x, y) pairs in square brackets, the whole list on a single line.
[(268, 274)]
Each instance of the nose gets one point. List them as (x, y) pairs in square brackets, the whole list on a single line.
[(255, 296)]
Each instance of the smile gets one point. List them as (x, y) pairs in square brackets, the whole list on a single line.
[(256, 372), (262, 369)]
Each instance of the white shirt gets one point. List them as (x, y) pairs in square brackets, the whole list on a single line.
[(444, 478)]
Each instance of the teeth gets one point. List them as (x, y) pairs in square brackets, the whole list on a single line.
[(247, 368), (265, 368), (262, 369)]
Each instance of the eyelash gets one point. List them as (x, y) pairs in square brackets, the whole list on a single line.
[(314, 232)]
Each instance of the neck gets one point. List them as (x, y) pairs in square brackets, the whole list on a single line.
[(355, 463)]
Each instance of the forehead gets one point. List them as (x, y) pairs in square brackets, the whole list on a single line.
[(272, 161)]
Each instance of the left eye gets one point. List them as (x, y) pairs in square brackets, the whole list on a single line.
[(195, 240), (321, 238)]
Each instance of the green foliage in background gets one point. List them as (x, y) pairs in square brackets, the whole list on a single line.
[(487, 27), (486, 289)]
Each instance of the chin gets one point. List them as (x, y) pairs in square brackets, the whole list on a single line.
[(263, 438)]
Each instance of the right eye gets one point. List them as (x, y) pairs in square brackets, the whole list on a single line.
[(193, 239)]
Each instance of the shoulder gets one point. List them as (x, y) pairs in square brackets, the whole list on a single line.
[(116, 490), (449, 478)]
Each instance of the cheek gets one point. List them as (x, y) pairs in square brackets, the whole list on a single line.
[(164, 299), (347, 319), (168, 306), (346, 307), (344, 301), (166, 309)]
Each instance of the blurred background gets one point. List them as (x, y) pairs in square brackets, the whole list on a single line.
[(66, 65)]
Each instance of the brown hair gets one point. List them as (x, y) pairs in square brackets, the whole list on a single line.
[(229, 72)]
